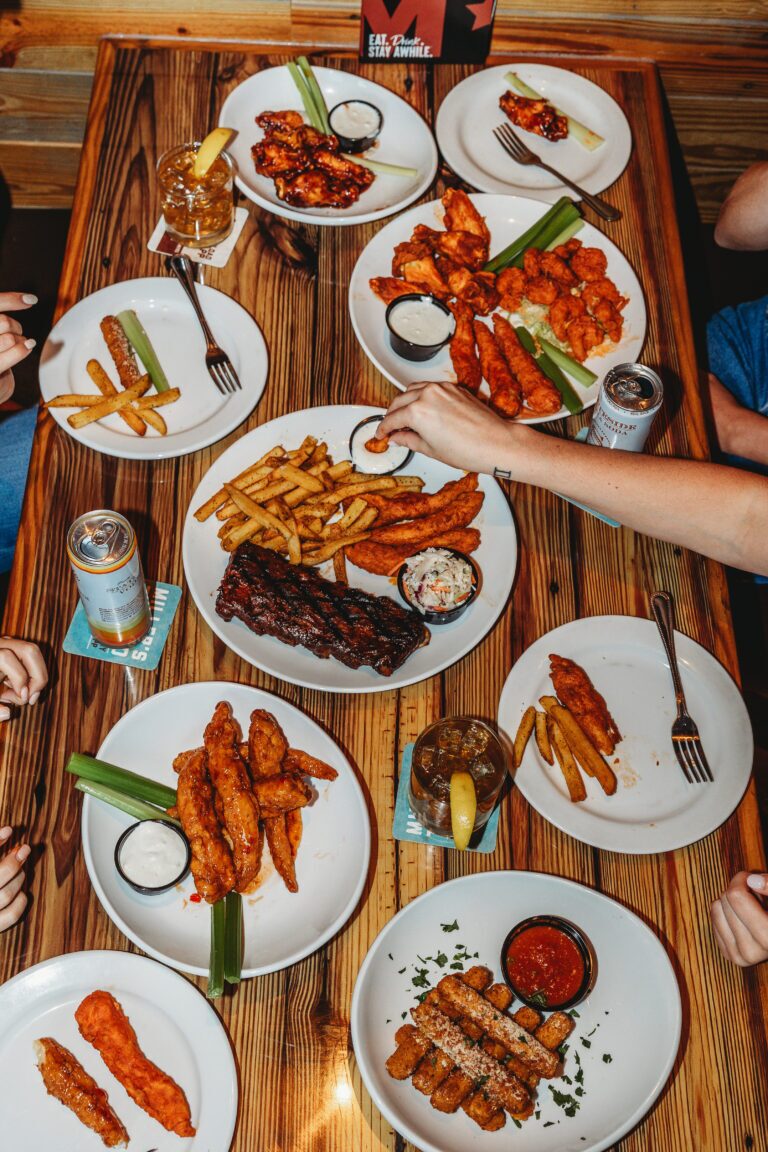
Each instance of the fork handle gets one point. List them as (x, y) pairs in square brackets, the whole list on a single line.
[(596, 203), (663, 606), (181, 266)]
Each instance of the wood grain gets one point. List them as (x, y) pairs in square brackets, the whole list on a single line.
[(300, 1089)]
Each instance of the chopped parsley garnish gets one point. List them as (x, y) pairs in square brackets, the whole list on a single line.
[(607, 1058), (564, 1100), (585, 1042), (539, 999), (450, 927), (516, 1122)]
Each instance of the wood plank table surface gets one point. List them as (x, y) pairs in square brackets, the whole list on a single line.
[(299, 1086)]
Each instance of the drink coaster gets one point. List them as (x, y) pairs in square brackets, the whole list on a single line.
[(581, 436), (407, 827), (163, 602), (216, 255)]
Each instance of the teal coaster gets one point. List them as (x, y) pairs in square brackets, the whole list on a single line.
[(407, 827), (581, 436), (163, 602)]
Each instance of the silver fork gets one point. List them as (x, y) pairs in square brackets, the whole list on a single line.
[(217, 362), (521, 154), (685, 735)]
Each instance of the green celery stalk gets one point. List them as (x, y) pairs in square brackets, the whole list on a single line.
[(233, 938), (142, 345), (383, 169), (585, 136), (136, 808), (121, 780), (216, 962), (580, 374), (567, 232), (551, 371), (317, 95), (539, 235), (307, 97)]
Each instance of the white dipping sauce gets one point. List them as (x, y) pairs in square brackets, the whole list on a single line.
[(355, 120), (153, 855), (421, 322), (375, 462)]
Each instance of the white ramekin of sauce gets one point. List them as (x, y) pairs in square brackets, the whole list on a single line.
[(152, 856)]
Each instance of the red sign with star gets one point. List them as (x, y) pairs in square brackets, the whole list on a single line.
[(454, 31)]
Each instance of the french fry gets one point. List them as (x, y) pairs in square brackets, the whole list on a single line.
[(542, 736), (158, 399), (241, 481), (359, 524), (582, 747), (568, 766), (109, 405), (73, 400), (355, 509), (155, 420), (332, 547), (301, 479), (523, 735), (234, 522), (340, 567), (107, 388), (355, 488)]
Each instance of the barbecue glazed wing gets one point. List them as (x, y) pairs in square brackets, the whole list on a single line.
[(462, 348), (306, 165), (240, 807), (343, 170), (316, 189), (67, 1081), (462, 216), (103, 1023), (211, 865), (537, 116), (279, 121), (272, 158), (577, 692)]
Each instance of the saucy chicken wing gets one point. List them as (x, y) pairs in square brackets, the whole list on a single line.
[(462, 216), (67, 1081), (537, 116), (239, 806), (211, 864)]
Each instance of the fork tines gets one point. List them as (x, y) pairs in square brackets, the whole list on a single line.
[(690, 756), (512, 144), (222, 372)]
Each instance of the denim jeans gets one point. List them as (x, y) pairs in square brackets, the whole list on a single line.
[(16, 431)]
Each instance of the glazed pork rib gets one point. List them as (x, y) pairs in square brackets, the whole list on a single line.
[(298, 606)]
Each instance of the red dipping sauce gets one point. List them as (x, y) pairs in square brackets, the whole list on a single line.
[(545, 963)]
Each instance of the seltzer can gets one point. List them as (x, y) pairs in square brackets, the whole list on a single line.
[(104, 555), (630, 398)]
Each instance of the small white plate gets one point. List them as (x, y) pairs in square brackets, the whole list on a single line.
[(205, 563), (175, 1027), (469, 113), (405, 139), (280, 927), (507, 217), (201, 415), (654, 808), (632, 1014)]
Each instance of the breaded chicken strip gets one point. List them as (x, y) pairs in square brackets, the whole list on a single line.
[(385, 559), (577, 692), (540, 394), (462, 348), (505, 390), (67, 1081), (458, 514), (412, 505), (239, 806), (211, 864)]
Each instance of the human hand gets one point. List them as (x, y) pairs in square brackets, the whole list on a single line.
[(13, 900), (23, 674), (740, 921), (13, 346), (446, 422)]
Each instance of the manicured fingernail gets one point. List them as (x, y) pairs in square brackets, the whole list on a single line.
[(28, 298), (30, 343), (22, 853), (757, 882), (5, 832), (5, 712), (24, 695), (34, 698)]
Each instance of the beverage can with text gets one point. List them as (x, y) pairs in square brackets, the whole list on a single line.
[(629, 401), (104, 555)]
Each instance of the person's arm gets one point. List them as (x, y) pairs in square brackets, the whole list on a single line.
[(743, 220), (740, 431), (718, 511), (740, 921)]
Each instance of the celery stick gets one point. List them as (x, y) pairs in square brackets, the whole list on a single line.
[(539, 235), (382, 169), (142, 346), (307, 97), (136, 808), (121, 780), (233, 938), (580, 374), (551, 371), (585, 136), (566, 234), (317, 95), (216, 962)]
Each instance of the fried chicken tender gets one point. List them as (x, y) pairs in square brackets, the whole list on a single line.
[(388, 288), (577, 692), (537, 116), (475, 289), (462, 216), (460, 512), (589, 263), (306, 765), (267, 744), (565, 309), (412, 505), (385, 559), (211, 864), (510, 284), (465, 248), (541, 395), (103, 1023), (68, 1082), (505, 389), (462, 348), (239, 805), (294, 826), (281, 852), (281, 794), (584, 334)]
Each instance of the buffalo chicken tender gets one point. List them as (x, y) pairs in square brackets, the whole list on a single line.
[(211, 864), (239, 806), (462, 348), (540, 394), (505, 390), (68, 1082), (103, 1023)]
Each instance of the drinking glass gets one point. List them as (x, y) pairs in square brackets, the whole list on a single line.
[(198, 210), (457, 743)]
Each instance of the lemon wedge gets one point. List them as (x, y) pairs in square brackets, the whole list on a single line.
[(214, 143), (463, 808)]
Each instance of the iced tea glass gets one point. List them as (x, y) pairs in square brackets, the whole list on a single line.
[(458, 743), (198, 210)]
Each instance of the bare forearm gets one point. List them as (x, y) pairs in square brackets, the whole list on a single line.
[(740, 431)]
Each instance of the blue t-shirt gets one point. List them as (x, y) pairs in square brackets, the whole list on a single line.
[(737, 345)]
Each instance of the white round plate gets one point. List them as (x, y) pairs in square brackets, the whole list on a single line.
[(654, 808), (632, 1014), (205, 563), (405, 139), (469, 113), (280, 927), (174, 1024), (507, 217), (201, 415)]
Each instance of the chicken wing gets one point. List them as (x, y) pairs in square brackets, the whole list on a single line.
[(407, 251), (505, 389), (316, 189), (267, 745), (240, 808), (301, 762), (388, 288), (463, 350), (211, 865), (67, 1081), (475, 289), (287, 119), (510, 284), (424, 276), (466, 248), (541, 396), (589, 263), (462, 216), (537, 116), (577, 692)]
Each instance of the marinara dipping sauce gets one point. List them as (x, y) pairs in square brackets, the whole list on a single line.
[(547, 962)]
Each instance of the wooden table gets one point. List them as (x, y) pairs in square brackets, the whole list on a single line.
[(290, 1030)]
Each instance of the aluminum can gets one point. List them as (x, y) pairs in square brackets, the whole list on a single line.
[(104, 555), (630, 398)]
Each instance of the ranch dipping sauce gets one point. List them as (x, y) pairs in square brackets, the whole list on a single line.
[(421, 322), (388, 457), (152, 855), (356, 124)]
